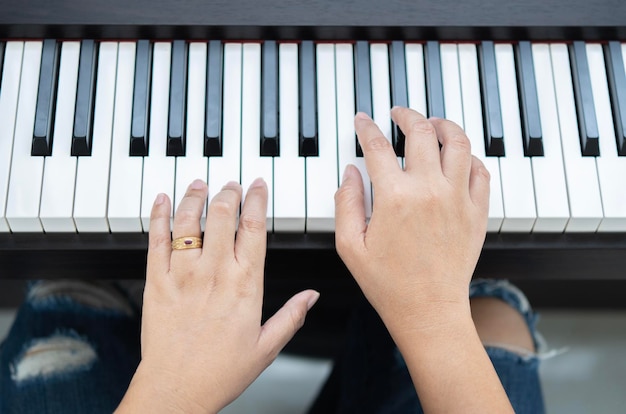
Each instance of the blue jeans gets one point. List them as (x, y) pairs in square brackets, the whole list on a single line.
[(74, 347), (371, 375)]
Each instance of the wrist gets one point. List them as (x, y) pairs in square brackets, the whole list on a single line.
[(425, 325), (150, 391)]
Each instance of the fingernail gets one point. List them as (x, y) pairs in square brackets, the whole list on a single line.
[(363, 115), (231, 184), (197, 184), (312, 300), (259, 182), (395, 107), (160, 199), (347, 173)]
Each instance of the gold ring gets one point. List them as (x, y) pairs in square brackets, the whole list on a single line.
[(183, 243)]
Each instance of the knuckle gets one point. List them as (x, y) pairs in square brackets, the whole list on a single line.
[(252, 223), (155, 242), (245, 289), (459, 141), (378, 143), (186, 215), (221, 208), (423, 127), (482, 170), (342, 195)]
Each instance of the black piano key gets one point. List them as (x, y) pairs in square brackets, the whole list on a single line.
[(492, 115), (1, 61), (178, 97), (583, 96), (617, 90), (399, 92), (85, 99), (269, 114), (213, 116), (528, 100), (46, 99), (308, 101), (363, 83), (434, 81), (141, 99)]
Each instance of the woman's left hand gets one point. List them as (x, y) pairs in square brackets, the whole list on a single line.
[(202, 340)]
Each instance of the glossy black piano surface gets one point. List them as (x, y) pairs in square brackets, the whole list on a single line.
[(315, 19)]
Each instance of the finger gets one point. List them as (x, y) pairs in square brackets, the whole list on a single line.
[(221, 223), (380, 158), (350, 223), (252, 232), (281, 327), (479, 185), (187, 220), (421, 148), (456, 152), (159, 239)]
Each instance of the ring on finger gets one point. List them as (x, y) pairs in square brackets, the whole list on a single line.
[(183, 243)]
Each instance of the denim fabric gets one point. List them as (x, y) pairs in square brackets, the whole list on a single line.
[(64, 355), (93, 351), (372, 377)]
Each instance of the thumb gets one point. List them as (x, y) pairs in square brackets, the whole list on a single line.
[(350, 222), (280, 328)]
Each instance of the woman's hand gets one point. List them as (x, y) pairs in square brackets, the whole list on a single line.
[(415, 258), (202, 340)]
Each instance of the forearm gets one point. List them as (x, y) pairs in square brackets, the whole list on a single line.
[(450, 369)]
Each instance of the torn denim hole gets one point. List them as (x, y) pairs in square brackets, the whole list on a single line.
[(95, 295), (58, 354), (514, 297)]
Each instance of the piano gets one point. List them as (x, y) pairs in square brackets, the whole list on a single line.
[(103, 104)]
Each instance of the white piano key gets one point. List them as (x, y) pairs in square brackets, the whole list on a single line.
[(611, 167), (289, 197), (253, 165), (321, 171), (194, 164), (346, 136), (516, 173), (59, 174), (126, 171), (473, 125), (158, 168), (381, 100), (580, 172), (22, 210), (92, 172), (227, 167), (451, 83), (10, 87), (415, 78), (548, 171)]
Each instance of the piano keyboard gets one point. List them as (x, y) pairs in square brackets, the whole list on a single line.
[(90, 131)]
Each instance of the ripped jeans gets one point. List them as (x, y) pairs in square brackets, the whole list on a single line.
[(371, 376), (73, 348)]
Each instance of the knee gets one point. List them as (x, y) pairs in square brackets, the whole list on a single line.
[(56, 355), (501, 325)]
